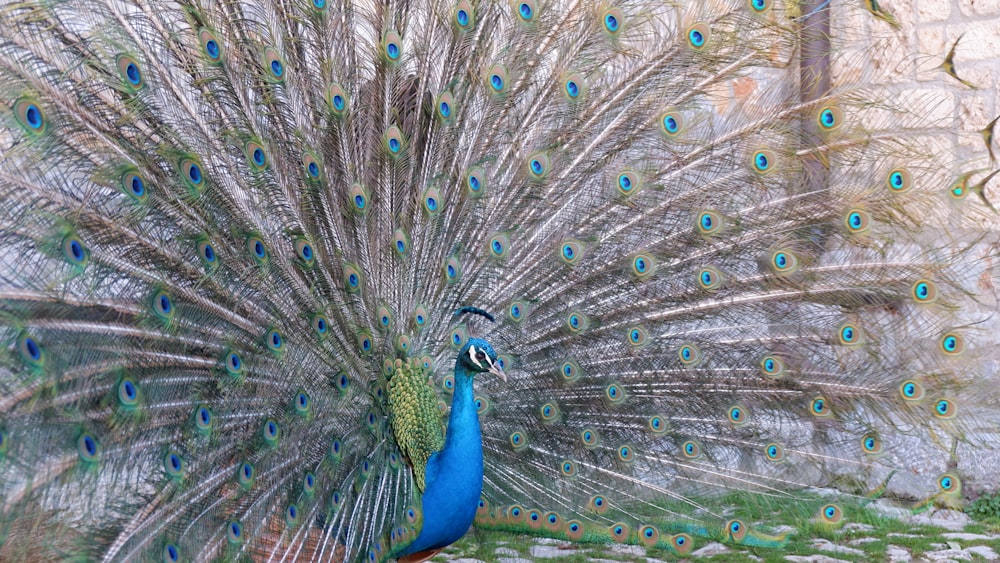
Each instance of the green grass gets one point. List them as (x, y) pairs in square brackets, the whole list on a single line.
[(766, 516)]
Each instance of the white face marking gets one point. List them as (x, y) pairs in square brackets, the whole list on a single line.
[(472, 356)]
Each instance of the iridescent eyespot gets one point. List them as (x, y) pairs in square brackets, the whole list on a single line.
[(256, 156), (772, 366), (774, 452), (612, 21), (526, 11), (760, 6), (74, 251), (518, 440), (29, 350), (206, 252), (682, 543), (570, 371), (419, 317), (475, 182), (337, 99), (643, 266), (910, 390), (234, 365), (598, 504), (871, 444), (627, 182), (924, 291), (234, 532), (291, 515), (458, 337), (304, 252), (945, 408), (357, 195), (392, 47), (445, 106), (736, 530), (690, 449), (465, 15), (128, 393), (270, 431), (710, 278), (211, 47), (499, 246), (191, 172), (336, 450), (163, 306), (949, 483), (952, 344), (130, 72), (819, 407), (614, 393), (737, 415), (171, 553), (619, 532), (568, 468), (365, 343), (319, 5), (849, 335), (857, 221), (657, 424), (203, 419), (649, 536), (689, 354), (573, 87), (783, 262), (577, 322), (353, 280), (432, 201), (497, 78), (830, 118), (274, 66), (671, 123), (549, 412), (29, 116), (571, 251), (87, 448), (899, 180), (393, 141), (173, 464), (517, 311), (574, 530), (301, 403), (538, 166), (763, 161), (698, 35), (589, 438), (134, 185), (709, 223), (320, 325), (311, 165), (637, 336), (257, 249), (831, 514), (626, 453), (383, 318)]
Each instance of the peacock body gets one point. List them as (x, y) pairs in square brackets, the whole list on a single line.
[(242, 244)]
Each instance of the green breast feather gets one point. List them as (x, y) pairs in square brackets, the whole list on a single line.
[(415, 418)]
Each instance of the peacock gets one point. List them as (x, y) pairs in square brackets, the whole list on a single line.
[(310, 280)]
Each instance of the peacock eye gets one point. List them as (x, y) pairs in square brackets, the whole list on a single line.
[(480, 355)]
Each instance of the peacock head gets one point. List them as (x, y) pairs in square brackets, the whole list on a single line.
[(478, 356)]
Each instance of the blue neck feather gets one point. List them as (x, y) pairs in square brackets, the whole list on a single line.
[(454, 474)]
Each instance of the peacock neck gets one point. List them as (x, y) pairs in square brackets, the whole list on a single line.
[(463, 436), (454, 474)]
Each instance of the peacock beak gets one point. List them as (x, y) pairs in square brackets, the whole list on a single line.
[(497, 371)]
